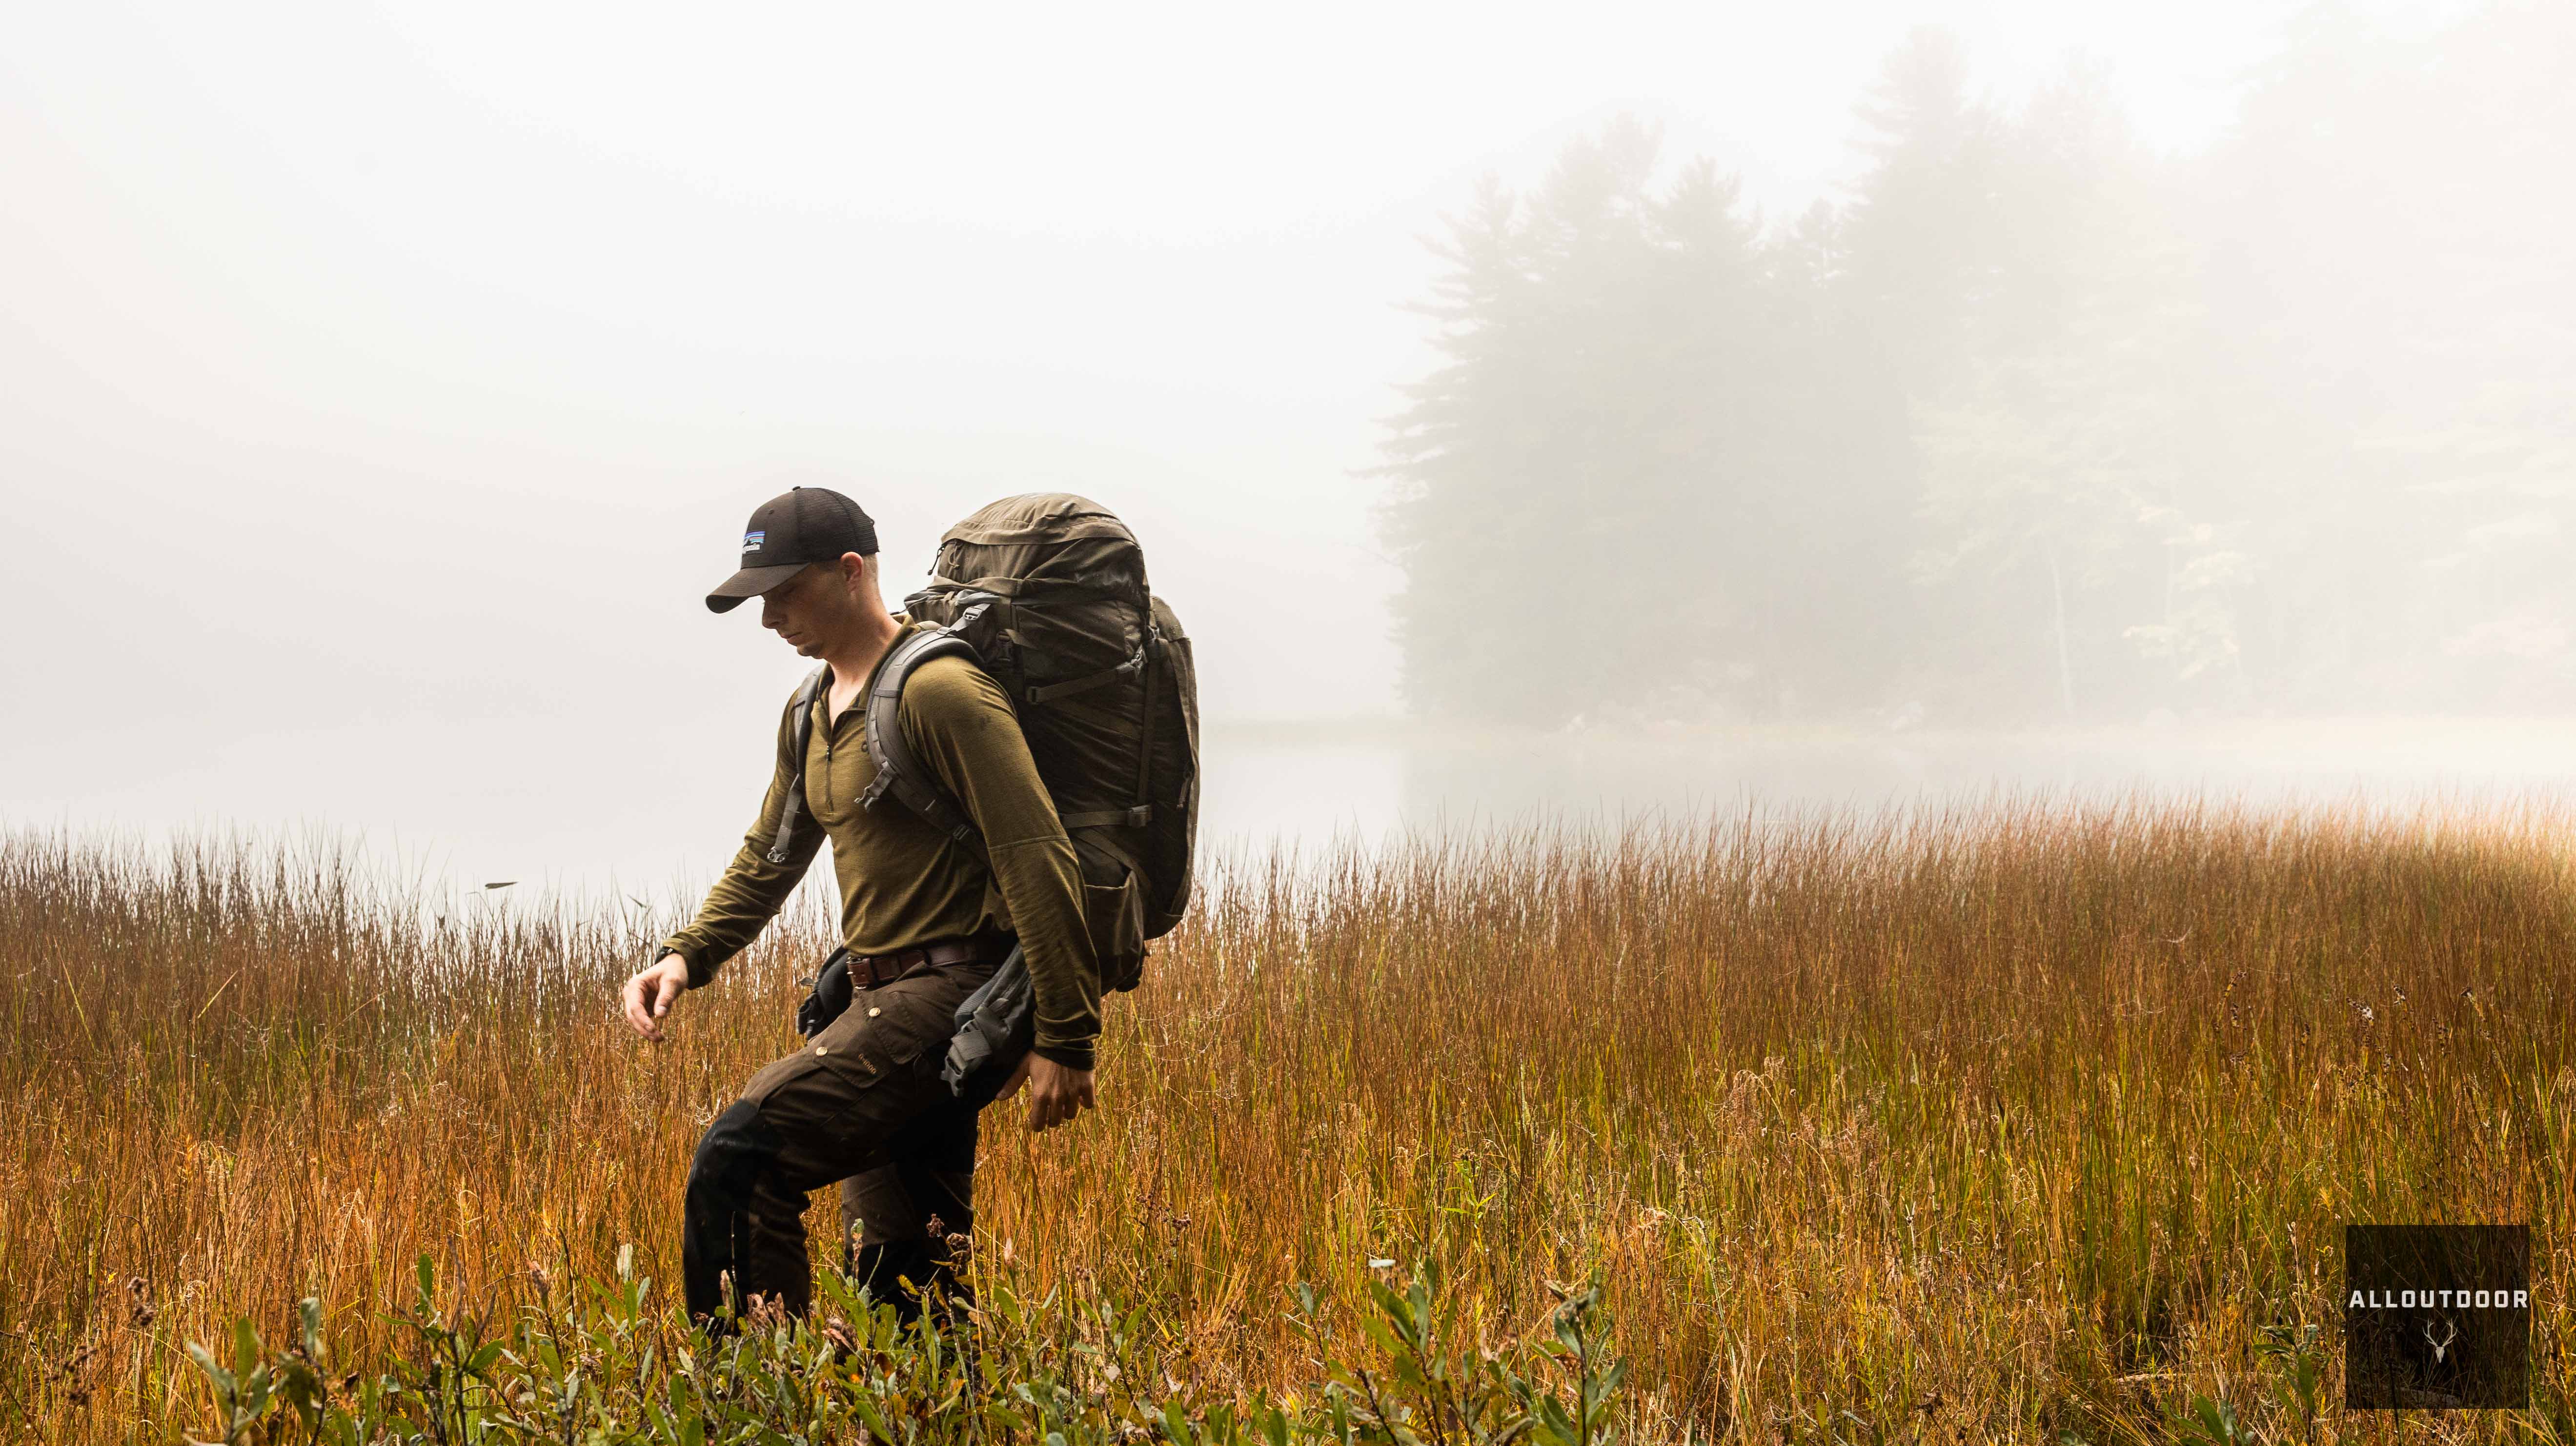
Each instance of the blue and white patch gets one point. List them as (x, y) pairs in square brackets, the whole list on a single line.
[(751, 541)]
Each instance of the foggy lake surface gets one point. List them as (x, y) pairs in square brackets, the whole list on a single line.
[(1304, 789), (657, 830)]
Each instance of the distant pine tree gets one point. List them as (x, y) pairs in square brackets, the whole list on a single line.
[(1632, 481)]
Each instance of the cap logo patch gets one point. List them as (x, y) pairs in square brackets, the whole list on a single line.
[(751, 541)]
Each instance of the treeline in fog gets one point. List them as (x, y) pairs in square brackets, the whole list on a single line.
[(2031, 424)]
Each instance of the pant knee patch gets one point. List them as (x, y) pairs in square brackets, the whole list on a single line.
[(715, 1212), (733, 1152)]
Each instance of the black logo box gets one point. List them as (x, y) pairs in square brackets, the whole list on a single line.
[(2437, 1317)]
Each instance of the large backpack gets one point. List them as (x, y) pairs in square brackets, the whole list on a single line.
[(1047, 592)]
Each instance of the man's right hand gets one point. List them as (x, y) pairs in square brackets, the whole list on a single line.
[(649, 992)]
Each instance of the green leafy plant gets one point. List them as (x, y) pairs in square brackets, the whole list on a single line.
[(2301, 1360), (596, 1367), (1429, 1390), (2204, 1422)]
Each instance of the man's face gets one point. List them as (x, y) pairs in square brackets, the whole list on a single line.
[(809, 609)]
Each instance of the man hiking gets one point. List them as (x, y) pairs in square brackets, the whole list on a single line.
[(924, 921)]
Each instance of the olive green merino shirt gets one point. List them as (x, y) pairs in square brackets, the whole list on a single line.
[(903, 882)]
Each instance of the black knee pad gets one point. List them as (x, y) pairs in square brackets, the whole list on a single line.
[(715, 1212), (731, 1155)]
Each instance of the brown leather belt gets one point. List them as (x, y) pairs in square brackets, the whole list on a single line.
[(867, 971)]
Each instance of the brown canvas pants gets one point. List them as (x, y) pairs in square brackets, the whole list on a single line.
[(861, 1103)]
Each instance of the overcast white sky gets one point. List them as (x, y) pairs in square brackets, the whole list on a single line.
[(380, 386)]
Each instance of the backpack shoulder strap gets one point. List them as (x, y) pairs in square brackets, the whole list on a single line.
[(800, 732), (899, 770)]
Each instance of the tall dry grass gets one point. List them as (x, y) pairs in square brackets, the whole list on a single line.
[(1994, 1122)]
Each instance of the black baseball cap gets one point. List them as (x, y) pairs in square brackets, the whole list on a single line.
[(796, 528)]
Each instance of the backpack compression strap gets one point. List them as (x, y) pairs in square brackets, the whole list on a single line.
[(899, 769), (800, 732)]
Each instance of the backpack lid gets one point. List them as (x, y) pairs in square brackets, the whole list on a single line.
[(1038, 517)]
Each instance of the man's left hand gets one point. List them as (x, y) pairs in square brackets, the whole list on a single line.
[(1056, 1092)]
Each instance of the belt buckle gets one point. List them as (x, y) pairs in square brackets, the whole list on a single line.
[(884, 969)]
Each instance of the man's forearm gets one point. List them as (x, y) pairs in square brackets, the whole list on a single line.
[(739, 906), (1042, 887)]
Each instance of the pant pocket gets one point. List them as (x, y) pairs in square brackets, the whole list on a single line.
[(905, 1022)]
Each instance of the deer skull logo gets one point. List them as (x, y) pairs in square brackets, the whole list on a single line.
[(2442, 1346)]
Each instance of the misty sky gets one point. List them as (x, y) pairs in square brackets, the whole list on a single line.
[(380, 387)]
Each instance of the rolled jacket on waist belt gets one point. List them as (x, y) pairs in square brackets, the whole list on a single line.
[(830, 995), (995, 1026)]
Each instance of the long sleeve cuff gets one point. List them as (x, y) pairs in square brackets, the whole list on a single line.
[(675, 946), (1071, 1056)]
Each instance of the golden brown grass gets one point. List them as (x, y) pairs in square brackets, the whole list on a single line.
[(1988, 1123)]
